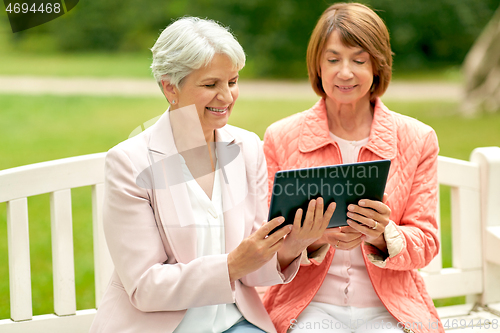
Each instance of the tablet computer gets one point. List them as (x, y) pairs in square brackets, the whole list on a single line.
[(343, 183)]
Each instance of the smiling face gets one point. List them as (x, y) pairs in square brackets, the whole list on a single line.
[(346, 72), (212, 89)]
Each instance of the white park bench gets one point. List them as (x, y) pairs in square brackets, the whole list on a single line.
[(475, 271)]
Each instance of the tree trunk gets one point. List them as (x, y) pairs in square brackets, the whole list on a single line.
[(482, 71)]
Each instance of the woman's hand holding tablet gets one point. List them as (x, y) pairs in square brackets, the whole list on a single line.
[(343, 238), (315, 223), (257, 249), (370, 218)]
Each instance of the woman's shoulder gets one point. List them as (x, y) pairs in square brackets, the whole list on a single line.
[(133, 150), (249, 143), (412, 132), (405, 123), (412, 135)]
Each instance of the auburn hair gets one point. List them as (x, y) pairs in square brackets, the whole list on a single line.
[(358, 26)]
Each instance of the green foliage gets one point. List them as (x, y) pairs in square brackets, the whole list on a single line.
[(274, 33), (425, 32)]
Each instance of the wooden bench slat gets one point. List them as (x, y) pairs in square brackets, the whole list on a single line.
[(62, 253), (454, 172), (489, 160), (103, 265), (451, 282), (466, 228), (492, 241), (51, 176), (19, 259), (79, 323)]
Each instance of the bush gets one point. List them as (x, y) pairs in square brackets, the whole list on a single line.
[(274, 33)]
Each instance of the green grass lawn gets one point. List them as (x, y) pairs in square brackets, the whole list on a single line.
[(451, 74), (136, 65), (70, 65), (95, 65), (41, 128)]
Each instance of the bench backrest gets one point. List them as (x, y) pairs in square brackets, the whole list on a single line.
[(57, 178), (475, 207), (475, 211), (466, 270)]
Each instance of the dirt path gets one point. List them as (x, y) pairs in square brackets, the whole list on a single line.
[(398, 90)]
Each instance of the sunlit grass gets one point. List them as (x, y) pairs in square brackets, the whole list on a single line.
[(451, 74), (136, 65), (125, 65)]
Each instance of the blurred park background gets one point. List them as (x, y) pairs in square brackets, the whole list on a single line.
[(111, 39)]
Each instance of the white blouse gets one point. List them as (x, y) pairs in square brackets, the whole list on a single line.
[(210, 233), (347, 282)]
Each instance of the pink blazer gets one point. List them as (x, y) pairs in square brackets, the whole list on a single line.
[(153, 246)]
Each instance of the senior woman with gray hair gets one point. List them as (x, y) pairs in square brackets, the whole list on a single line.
[(185, 200)]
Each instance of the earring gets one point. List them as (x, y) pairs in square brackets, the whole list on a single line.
[(173, 101)]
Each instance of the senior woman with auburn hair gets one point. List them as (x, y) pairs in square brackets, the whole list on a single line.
[(185, 199), (362, 277)]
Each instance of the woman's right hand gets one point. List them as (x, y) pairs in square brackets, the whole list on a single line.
[(257, 249)]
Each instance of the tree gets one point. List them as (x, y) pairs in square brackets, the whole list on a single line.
[(482, 71), (274, 33)]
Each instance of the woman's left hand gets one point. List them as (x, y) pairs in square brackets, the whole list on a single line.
[(373, 216), (303, 235)]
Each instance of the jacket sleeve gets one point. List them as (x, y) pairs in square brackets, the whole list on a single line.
[(269, 274), (413, 242), (271, 160), (139, 255)]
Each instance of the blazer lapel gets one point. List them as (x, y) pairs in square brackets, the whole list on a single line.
[(234, 187), (170, 191), (171, 196)]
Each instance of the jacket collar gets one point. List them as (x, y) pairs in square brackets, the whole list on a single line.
[(314, 132), (173, 202), (162, 139)]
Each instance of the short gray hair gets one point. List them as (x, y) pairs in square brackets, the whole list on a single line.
[(191, 43)]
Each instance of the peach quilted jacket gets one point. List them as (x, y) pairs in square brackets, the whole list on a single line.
[(303, 140)]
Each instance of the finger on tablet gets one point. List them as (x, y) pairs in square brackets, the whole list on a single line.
[(279, 234), (319, 207), (309, 214), (269, 226), (330, 210), (298, 218)]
